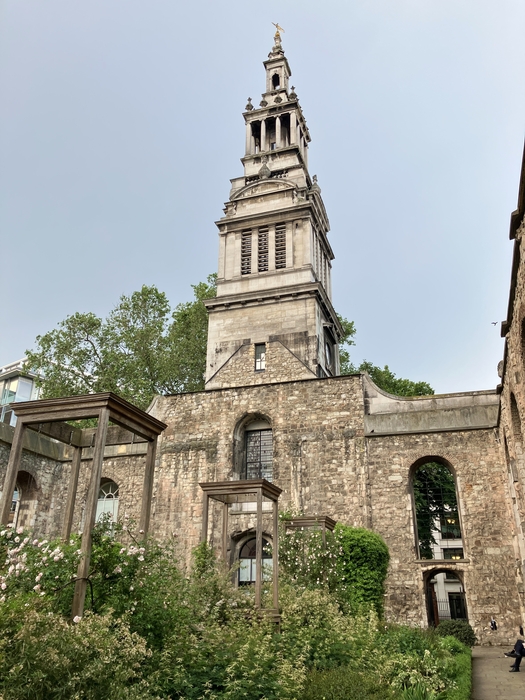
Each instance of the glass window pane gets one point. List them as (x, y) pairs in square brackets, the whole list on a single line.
[(23, 392)]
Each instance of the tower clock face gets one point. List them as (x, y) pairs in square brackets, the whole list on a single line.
[(328, 354)]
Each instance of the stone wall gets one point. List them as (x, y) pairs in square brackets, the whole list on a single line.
[(488, 569)]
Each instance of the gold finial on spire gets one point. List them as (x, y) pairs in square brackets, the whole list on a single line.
[(279, 29)]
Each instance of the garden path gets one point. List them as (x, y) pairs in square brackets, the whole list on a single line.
[(491, 679)]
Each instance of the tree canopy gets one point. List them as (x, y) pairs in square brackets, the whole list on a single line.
[(144, 348), (141, 349)]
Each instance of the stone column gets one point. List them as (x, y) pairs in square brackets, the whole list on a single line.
[(278, 132), (293, 128), (248, 139), (263, 135)]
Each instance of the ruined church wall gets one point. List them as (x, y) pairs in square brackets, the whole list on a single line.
[(489, 569), (42, 507), (318, 451)]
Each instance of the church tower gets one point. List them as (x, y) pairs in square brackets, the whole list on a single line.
[(273, 319)]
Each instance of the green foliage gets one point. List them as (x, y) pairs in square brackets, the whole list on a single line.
[(460, 629), (362, 567), (343, 683), (157, 630), (345, 342), (351, 563), (140, 350), (385, 379), (435, 501)]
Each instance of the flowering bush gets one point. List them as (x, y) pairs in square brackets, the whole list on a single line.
[(154, 630), (350, 562)]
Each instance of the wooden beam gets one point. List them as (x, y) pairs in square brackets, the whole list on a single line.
[(258, 551), (275, 552), (11, 473), (90, 515), (116, 436), (71, 493), (205, 506), (68, 434), (147, 489)]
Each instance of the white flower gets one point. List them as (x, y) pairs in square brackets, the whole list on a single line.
[(3, 586), (37, 579), (140, 557), (76, 619), (37, 587), (35, 542), (17, 539), (20, 531)]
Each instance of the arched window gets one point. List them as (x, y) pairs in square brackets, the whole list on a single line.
[(276, 81), (437, 514), (107, 500), (247, 569), (259, 451), (15, 506)]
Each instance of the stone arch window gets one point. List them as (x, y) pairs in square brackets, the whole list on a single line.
[(438, 529), (445, 596), (247, 568), (253, 448), (276, 81), (108, 497), (511, 463)]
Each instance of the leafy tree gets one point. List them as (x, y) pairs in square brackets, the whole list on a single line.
[(140, 350), (387, 380), (344, 345)]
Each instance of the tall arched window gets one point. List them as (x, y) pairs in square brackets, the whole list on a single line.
[(247, 569), (437, 513), (107, 500), (259, 451)]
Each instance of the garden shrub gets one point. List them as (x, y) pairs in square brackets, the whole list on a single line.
[(460, 629), (362, 567), (343, 683), (154, 630), (352, 564)]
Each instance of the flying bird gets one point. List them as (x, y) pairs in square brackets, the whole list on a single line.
[(494, 323)]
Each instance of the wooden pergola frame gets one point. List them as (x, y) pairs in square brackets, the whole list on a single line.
[(229, 492), (306, 522), (47, 416)]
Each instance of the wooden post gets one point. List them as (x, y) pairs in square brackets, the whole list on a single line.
[(258, 551), (12, 471), (71, 492), (90, 515), (205, 505), (225, 532), (147, 488), (275, 551)]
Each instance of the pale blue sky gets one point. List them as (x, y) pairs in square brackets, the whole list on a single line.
[(120, 127)]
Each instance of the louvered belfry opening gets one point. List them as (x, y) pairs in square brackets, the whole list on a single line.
[(262, 249), (246, 252), (280, 246)]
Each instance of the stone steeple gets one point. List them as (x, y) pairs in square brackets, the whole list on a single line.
[(272, 319)]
